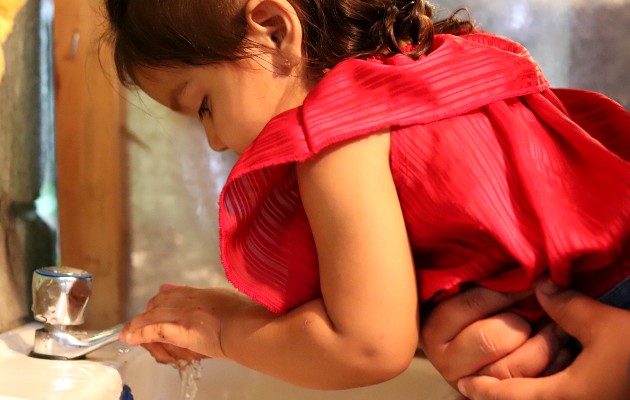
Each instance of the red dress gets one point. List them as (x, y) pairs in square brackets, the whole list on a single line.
[(500, 178)]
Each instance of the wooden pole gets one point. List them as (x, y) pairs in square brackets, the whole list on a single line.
[(91, 159)]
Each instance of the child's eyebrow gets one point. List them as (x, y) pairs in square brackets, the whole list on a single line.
[(176, 95)]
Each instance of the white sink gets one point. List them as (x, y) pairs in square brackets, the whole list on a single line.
[(102, 375), (224, 380), (26, 378)]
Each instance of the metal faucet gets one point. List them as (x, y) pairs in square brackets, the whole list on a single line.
[(60, 297)]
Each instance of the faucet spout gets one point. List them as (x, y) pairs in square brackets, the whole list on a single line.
[(60, 297), (63, 343)]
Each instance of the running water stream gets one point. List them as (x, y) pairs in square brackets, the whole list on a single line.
[(189, 375)]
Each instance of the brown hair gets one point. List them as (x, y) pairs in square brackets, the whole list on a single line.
[(196, 32)]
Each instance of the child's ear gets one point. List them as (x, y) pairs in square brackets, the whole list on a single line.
[(274, 24)]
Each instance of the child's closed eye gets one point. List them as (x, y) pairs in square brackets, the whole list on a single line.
[(204, 109)]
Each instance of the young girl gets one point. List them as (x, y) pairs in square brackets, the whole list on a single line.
[(386, 162)]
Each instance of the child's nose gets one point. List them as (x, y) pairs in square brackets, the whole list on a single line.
[(214, 142), (216, 145)]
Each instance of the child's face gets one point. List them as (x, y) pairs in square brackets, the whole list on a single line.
[(235, 100)]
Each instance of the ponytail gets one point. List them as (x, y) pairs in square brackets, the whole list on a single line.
[(404, 21), (335, 30)]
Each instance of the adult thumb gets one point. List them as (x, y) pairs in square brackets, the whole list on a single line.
[(571, 310)]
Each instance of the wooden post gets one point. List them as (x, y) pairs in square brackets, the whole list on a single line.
[(91, 159)]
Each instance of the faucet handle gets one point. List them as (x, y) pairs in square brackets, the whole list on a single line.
[(60, 295)]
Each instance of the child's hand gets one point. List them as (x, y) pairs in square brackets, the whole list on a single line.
[(601, 371), (182, 323), (463, 328), (166, 353), (169, 354)]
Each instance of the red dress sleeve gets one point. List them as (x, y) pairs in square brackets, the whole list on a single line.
[(267, 247)]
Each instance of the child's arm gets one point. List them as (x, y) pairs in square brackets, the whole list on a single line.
[(364, 329)]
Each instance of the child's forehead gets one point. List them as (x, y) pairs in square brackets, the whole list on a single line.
[(164, 85), (160, 77)]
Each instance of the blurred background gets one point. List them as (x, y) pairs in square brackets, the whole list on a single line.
[(136, 185)]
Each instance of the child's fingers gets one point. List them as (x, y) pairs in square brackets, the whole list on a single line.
[(151, 317), (162, 332), (181, 328), (174, 334), (168, 286), (159, 353), (180, 353), (169, 354)]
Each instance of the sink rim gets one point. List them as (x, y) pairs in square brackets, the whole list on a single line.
[(56, 379)]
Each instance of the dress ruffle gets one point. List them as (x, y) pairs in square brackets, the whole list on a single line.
[(499, 178)]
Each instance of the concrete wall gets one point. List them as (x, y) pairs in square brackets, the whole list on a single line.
[(578, 43), (175, 184)]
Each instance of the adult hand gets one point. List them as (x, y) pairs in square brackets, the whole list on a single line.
[(471, 329), (601, 371), (182, 323)]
